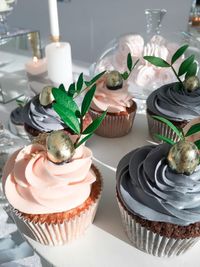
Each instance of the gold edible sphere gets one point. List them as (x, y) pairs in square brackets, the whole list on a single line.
[(183, 157), (191, 83), (46, 97), (114, 80), (60, 147)]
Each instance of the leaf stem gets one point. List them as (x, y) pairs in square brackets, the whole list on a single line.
[(87, 87), (176, 75), (81, 131)]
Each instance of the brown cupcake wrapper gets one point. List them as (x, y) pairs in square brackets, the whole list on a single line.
[(56, 233), (114, 125), (158, 127), (153, 243)]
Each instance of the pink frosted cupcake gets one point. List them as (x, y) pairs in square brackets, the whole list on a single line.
[(112, 95), (52, 189)]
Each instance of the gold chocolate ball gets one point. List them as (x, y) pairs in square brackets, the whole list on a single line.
[(191, 83), (46, 97), (60, 147), (114, 80), (183, 157)]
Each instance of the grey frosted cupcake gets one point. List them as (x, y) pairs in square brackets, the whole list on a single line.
[(174, 103), (177, 102), (160, 208), (39, 119)]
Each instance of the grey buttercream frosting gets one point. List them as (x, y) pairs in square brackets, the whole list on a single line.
[(174, 103), (150, 189), (17, 116), (42, 118)]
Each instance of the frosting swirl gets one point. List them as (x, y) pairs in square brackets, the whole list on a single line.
[(44, 119), (111, 100), (151, 190), (174, 103), (35, 185)]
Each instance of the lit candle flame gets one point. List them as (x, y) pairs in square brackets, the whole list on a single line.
[(35, 59)]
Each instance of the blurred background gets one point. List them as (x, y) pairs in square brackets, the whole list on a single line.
[(89, 25)]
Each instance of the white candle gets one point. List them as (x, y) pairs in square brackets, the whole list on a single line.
[(53, 15), (59, 63), (36, 66)]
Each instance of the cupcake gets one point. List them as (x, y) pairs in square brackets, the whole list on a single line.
[(52, 189), (40, 117), (178, 101), (52, 186), (159, 208), (158, 192), (112, 95)]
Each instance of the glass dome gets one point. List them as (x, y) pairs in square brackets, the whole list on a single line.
[(145, 77)]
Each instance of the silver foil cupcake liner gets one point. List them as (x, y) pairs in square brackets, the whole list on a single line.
[(114, 125), (158, 127), (56, 233), (153, 243)]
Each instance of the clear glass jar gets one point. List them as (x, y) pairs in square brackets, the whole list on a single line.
[(145, 78)]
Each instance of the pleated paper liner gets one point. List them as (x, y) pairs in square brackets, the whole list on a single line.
[(158, 127), (153, 243), (57, 233), (114, 125)]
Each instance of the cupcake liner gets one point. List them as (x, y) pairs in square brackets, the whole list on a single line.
[(114, 125), (56, 233), (153, 243), (158, 127)]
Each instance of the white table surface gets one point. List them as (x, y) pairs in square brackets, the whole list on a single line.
[(105, 242)]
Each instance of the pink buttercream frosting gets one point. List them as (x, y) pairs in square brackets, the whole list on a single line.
[(111, 100), (35, 185)]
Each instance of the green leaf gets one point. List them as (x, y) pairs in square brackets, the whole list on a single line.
[(185, 65), (192, 70), (79, 83), (87, 83), (197, 143), (193, 129), (68, 117), (171, 125), (125, 75), (62, 87), (83, 140), (179, 53), (71, 90), (87, 100), (94, 79), (156, 61), (165, 139), (95, 124), (129, 62), (63, 100)]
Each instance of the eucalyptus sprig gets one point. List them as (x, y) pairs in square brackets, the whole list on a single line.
[(70, 113), (75, 89), (195, 128), (130, 67), (187, 67)]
